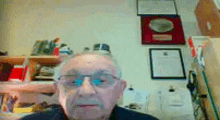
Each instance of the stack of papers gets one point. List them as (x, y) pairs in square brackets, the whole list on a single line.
[(137, 96)]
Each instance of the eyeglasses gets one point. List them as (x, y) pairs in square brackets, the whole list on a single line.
[(99, 80)]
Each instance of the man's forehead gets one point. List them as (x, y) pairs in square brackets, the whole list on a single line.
[(88, 64), (88, 71), (89, 58)]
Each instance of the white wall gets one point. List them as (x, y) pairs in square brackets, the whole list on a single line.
[(82, 23), (77, 23)]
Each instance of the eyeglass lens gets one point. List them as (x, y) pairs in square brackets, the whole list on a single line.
[(97, 80)]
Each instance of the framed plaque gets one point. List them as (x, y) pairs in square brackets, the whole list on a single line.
[(166, 63), (162, 30)]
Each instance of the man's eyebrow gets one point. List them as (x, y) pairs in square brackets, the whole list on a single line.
[(78, 72), (73, 71), (101, 71)]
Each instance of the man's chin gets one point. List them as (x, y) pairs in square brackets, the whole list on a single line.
[(85, 113), (85, 116)]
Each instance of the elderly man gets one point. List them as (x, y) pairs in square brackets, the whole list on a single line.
[(89, 87)]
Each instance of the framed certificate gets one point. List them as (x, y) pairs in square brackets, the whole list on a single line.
[(166, 63), (149, 7)]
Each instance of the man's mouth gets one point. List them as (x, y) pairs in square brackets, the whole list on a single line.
[(87, 105)]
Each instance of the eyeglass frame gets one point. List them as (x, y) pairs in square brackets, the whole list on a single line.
[(90, 77)]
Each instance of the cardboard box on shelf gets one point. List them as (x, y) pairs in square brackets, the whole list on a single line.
[(212, 67), (207, 15)]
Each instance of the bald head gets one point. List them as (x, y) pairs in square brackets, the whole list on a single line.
[(91, 60), (88, 64)]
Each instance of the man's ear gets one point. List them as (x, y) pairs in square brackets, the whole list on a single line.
[(123, 85), (56, 88)]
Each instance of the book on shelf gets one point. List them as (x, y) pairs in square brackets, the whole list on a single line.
[(44, 73), (18, 73), (8, 103)]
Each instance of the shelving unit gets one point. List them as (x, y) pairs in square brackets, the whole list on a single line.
[(204, 88), (210, 103), (12, 59), (29, 85), (39, 87)]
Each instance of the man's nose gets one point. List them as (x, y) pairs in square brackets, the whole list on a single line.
[(86, 89)]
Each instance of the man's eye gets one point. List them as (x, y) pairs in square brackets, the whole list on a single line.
[(102, 81), (77, 82), (98, 81)]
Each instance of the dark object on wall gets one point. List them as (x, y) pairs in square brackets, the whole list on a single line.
[(191, 85), (131, 88), (171, 89), (3, 54), (104, 47), (5, 70), (86, 49), (63, 45)]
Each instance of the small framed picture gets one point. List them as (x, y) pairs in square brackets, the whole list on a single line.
[(166, 64)]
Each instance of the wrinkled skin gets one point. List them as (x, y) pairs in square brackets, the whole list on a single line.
[(104, 98)]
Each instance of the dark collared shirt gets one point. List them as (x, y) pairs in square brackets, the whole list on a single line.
[(118, 113)]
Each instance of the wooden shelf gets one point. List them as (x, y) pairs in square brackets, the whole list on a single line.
[(38, 87), (12, 59), (43, 77), (39, 59), (45, 59)]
